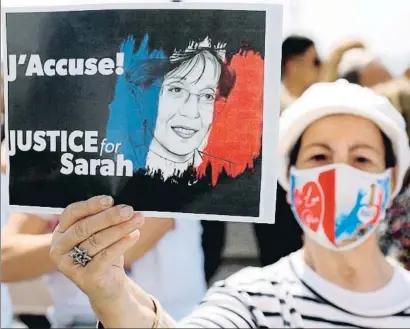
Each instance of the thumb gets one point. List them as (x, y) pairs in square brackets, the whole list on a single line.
[(119, 262)]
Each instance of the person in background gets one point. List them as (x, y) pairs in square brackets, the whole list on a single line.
[(398, 92), (407, 73), (344, 153), (6, 306), (360, 66), (301, 65), (395, 233), (169, 253)]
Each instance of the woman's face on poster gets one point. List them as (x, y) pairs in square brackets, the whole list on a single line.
[(186, 104)]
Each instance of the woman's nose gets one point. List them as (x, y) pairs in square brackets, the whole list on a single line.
[(190, 108), (341, 156)]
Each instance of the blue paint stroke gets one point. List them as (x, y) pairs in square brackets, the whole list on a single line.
[(385, 184), (348, 223), (292, 184), (292, 187), (133, 111)]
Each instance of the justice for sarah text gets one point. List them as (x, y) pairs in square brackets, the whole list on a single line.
[(71, 144)]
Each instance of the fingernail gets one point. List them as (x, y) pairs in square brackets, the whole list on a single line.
[(126, 211), (139, 219), (134, 234), (106, 201)]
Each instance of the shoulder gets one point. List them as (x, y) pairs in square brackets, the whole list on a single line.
[(400, 270), (261, 279), (261, 292), (277, 271), (25, 223)]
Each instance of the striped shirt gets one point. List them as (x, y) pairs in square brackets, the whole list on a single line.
[(289, 294)]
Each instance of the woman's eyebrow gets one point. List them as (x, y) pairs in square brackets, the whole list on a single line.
[(209, 87), (364, 146), (315, 144), (175, 79)]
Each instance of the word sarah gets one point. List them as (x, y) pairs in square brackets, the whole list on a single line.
[(65, 66), (70, 143)]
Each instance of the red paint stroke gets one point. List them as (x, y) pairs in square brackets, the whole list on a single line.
[(236, 134), (309, 204), (378, 207), (327, 181)]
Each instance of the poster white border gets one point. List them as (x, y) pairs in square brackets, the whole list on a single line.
[(273, 41)]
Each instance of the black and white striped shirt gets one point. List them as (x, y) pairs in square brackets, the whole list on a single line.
[(288, 294)]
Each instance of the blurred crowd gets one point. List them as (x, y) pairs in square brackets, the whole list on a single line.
[(173, 251)]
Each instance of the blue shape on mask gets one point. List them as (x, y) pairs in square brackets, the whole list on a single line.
[(133, 111), (348, 223), (292, 185), (385, 183)]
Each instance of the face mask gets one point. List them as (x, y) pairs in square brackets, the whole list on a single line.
[(337, 205)]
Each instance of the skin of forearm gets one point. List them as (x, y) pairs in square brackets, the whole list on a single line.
[(132, 309), (3, 158), (152, 232), (25, 256), (19, 251)]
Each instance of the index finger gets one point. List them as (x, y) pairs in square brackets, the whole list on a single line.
[(76, 211)]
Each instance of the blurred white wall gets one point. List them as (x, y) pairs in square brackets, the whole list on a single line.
[(383, 25)]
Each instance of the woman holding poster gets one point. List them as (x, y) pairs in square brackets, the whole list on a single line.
[(339, 186)]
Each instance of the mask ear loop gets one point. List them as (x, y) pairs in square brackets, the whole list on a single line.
[(390, 186)]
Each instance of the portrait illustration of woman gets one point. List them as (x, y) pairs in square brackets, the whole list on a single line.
[(195, 110)]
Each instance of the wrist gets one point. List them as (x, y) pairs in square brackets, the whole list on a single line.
[(132, 308)]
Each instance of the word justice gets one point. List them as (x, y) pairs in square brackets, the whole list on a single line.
[(69, 143)]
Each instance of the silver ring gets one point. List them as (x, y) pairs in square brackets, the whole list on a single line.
[(80, 256)]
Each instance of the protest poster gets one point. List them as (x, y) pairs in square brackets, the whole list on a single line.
[(164, 106)]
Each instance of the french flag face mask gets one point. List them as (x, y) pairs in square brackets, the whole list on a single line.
[(337, 205)]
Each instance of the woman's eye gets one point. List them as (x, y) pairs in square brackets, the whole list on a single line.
[(175, 90), (362, 160), (209, 97), (319, 157)]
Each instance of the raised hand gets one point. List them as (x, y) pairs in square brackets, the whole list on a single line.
[(102, 232)]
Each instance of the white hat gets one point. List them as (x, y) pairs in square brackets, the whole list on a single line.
[(341, 97), (354, 59)]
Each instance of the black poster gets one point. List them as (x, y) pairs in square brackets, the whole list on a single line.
[(163, 107)]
